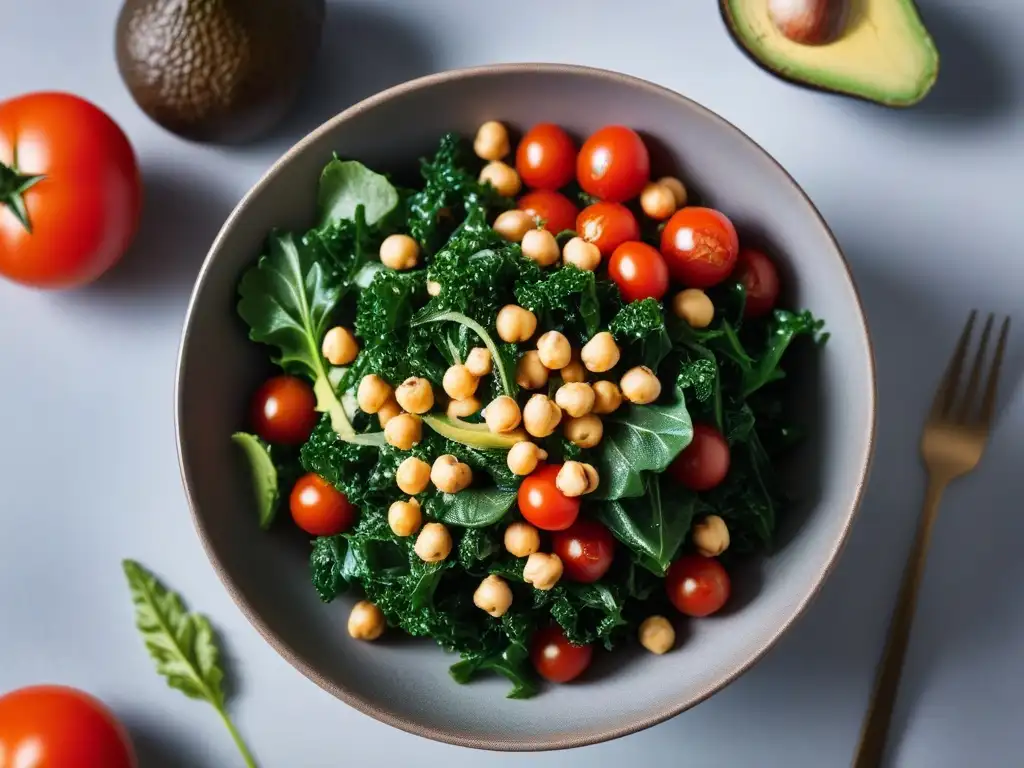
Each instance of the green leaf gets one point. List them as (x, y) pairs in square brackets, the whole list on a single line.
[(263, 474), (639, 328), (589, 612), (563, 299), (347, 184), (472, 507), (468, 434), (782, 329), (325, 566), (504, 375), (638, 439)]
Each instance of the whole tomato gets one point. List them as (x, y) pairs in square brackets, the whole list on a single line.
[(52, 726), (70, 191)]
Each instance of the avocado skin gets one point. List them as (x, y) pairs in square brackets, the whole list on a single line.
[(221, 71)]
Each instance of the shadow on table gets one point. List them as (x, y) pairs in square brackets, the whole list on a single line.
[(158, 747)]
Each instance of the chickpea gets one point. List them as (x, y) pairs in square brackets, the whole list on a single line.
[(572, 479), (460, 409), (493, 596), (502, 414), (677, 188), (601, 353), (585, 431), (657, 635), (540, 246), (459, 383), (640, 385), (554, 350), (412, 475), (450, 475), (658, 201), (581, 254), (478, 361), (513, 225), (434, 543), (491, 142), (574, 371), (530, 371), (373, 393), (522, 539), (523, 457), (388, 411), (405, 517), (576, 398), (541, 416), (433, 288), (366, 621), (415, 395), (404, 431), (502, 177), (515, 324), (607, 397), (593, 478), (399, 252), (710, 536), (340, 346), (542, 571), (694, 306)]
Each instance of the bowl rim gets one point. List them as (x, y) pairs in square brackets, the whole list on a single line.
[(449, 735)]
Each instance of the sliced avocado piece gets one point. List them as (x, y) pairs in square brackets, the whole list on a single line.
[(883, 53), (264, 476)]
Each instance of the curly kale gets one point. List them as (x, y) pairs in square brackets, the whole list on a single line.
[(639, 328), (564, 299)]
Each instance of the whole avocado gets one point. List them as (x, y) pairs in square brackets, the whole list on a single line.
[(217, 70)]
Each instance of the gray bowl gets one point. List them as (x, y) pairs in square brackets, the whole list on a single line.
[(404, 682)]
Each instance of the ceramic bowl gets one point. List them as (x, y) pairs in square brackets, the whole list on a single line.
[(405, 682)]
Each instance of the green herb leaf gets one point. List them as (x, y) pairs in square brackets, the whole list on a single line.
[(472, 507), (326, 562), (263, 474), (345, 185), (782, 329)]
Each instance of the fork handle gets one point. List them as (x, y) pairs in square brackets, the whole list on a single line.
[(883, 698)]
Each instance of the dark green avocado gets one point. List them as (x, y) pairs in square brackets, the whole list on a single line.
[(878, 50), (217, 70)]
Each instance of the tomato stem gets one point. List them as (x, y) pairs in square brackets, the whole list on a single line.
[(13, 185)]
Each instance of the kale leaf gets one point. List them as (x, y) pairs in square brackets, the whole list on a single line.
[(564, 300), (639, 329)]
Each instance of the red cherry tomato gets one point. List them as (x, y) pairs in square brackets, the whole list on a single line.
[(697, 585), (704, 463), (639, 271), (586, 550), (607, 225), (319, 508), (546, 157), (700, 246), (52, 726), (283, 410), (70, 191), (555, 658), (542, 504), (613, 164), (759, 276), (555, 209)]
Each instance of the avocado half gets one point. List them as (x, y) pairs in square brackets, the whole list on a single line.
[(883, 54)]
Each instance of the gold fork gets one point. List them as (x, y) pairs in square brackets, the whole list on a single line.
[(953, 441)]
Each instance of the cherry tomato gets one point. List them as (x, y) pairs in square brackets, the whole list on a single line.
[(700, 246), (639, 271), (546, 157), (607, 225), (613, 164), (283, 410), (555, 209), (53, 726), (555, 658), (586, 550), (759, 276), (697, 585), (70, 191), (319, 508), (542, 504), (704, 463)]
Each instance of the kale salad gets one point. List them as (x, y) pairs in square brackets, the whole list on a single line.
[(532, 403)]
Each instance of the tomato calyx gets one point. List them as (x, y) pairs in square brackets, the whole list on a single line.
[(14, 184)]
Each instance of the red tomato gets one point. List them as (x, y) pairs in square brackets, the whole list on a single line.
[(555, 658), (613, 164), (542, 504), (283, 410), (704, 463), (639, 271), (759, 276), (607, 225), (697, 586), (700, 246), (555, 209), (319, 508), (546, 157), (70, 191), (586, 550), (53, 726)]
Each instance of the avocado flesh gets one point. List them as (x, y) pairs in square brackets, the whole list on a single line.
[(883, 54)]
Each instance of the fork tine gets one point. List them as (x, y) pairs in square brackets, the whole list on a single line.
[(947, 389), (967, 404), (988, 405)]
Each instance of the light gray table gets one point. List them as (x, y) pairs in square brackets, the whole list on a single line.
[(927, 205)]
